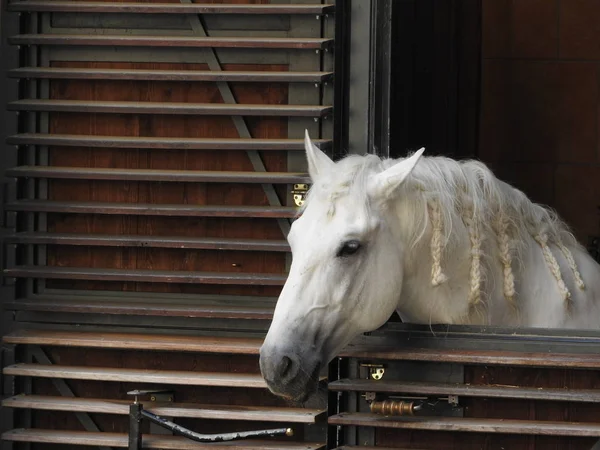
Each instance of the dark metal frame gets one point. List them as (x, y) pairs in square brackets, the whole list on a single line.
[(368, 70)]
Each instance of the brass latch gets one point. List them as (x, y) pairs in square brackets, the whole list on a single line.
[(299, 193), (376, 371)]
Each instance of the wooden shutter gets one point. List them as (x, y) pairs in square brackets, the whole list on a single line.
[(483, 388), (149, 199)]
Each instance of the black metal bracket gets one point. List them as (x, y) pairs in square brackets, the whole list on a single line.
[(137, 413)]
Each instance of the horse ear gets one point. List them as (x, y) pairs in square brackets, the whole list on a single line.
[(388, 180), (318, 162)]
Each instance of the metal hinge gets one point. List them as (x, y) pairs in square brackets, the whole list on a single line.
[(376, 371), (299, 193)]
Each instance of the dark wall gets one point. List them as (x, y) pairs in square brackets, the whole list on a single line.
[(436, 76)]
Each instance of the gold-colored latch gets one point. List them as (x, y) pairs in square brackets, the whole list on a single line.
[(376, 371), (299, 193)]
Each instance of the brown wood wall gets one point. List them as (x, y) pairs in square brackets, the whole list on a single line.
[(164, 193), (541, 103)]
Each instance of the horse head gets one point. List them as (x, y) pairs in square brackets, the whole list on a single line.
[(330, 297)]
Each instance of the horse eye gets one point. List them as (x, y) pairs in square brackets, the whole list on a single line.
[(349, 248)]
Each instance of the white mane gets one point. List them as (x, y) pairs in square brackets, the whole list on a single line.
[(460, 203)]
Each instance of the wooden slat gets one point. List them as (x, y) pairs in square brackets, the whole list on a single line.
[(144, 209), (132, 341), (63, 73), (188, 410), (170, 41), (163, 143), (188, 378), (110, 240), (145, 276), (474, 425), (165, 8), (213, 109), (190, 176), (477, 357), (120, 440), (172, 308), (466, 390)]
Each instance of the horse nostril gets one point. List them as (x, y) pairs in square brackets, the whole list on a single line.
[(287, 369), (285, 366)]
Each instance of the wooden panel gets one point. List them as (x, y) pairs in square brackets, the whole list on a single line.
[(164, 143), (153, 341), (193, 176), (491, 357), (548, 428), (227, 308), (468, 390), (141, 209), (190, 410), (58, 73), (149, 441), (137, 376), (167, 8), (148, 241), (151, 276), (212, 109), (169, 41)]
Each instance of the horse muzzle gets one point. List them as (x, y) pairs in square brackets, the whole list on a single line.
[(289, 374)]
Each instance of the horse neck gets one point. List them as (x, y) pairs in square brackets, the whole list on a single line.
[(436, 282)]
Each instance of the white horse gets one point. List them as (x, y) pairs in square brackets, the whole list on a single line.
[(437, 240)]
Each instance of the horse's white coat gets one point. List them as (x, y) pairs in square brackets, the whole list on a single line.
[(441, 242)]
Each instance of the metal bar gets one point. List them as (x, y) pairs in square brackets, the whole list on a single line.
[(240, 124), (192, 176), (166, 8), (150, 276), (57, 73), (106, 240), (214, 109), (135, 430), (143, 209), (179, 430), (246, 42), (71, 140), (341, 66), (380, 76), (64, 389)]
